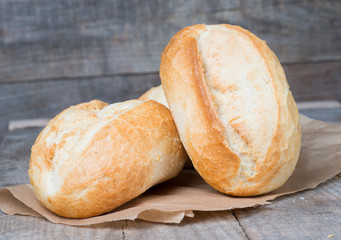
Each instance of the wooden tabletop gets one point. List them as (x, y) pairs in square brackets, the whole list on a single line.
[(311, 214)]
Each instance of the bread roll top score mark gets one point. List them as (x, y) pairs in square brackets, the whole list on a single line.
[(237, 79), (236, 116)]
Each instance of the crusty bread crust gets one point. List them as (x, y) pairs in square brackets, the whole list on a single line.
[(94, 157), (194, 107), (156, 94)]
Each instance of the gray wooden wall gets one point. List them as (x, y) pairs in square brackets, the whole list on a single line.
[(57, 53)]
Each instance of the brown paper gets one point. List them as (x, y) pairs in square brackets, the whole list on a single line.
[(170, 202)]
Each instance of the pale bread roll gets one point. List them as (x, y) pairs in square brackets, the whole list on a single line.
[(94, 157), (156, 94), (231, 103)]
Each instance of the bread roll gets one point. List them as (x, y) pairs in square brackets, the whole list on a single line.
[(156, 94), (231, 103), (94, 157)]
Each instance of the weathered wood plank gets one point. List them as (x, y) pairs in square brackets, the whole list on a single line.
[(45, 99), (14, 160), (332, 115), (210, 225), (25, 227), (15, 152), (78, 38), (312, 214), (204, 225), (315, 81)]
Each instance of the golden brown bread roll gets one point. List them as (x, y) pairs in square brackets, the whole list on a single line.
[(231, 103), (94, 157), (157, 94)]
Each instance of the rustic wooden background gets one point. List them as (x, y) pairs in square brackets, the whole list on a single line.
[(54, 54)]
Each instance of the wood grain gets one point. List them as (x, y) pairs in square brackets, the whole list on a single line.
[(26, 227), (312, 214), (212, 225), (204, 225), (79, 38), (315, 81), (332, 115), (15, 152), (45, 99)]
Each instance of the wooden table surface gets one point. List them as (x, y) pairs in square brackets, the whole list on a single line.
[(311, 214)]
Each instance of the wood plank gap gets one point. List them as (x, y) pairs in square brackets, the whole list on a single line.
[(240, 225), (75, 78), (227, 10), (123, 235), (310, 62)]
